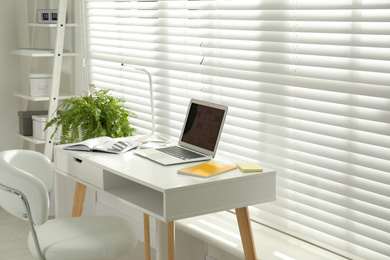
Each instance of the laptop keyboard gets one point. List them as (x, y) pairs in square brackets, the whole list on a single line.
[(180, 152)]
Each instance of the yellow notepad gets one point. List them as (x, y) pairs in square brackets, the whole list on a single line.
[(206, 170), (249, 167)]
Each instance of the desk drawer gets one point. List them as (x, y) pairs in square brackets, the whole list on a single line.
[(80, 169)]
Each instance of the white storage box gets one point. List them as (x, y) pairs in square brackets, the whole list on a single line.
[(39, 123), (40, 84)]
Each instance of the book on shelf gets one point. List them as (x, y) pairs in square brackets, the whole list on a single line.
[(206, 170), (104, 144), (249, 167)]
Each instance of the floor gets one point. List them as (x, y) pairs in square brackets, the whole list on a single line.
[(13, 240)]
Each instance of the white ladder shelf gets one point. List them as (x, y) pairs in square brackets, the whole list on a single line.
[(57, 67), (57, 55)]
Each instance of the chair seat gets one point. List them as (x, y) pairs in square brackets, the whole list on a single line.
[(98, 237)]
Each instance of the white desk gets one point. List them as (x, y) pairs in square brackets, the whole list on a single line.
[(160, 192)]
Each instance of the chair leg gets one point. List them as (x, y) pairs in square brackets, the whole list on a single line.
[(28, 215), (147, 236)]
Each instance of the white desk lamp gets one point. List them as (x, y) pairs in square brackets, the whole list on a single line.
[(151, 99)]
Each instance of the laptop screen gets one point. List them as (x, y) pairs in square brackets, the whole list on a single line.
[(203, 125)]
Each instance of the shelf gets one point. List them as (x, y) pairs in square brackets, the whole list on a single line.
[(140, 196), (53, 25), (40, 53), (34, 140), (56, 51), (27, 96), (31, 139)]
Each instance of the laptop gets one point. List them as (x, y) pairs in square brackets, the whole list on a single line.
[(199, 137)]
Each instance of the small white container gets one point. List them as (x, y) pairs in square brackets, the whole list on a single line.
[(39, 123), (40, 84)]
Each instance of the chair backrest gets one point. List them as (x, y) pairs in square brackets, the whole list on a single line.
[(31, 173)]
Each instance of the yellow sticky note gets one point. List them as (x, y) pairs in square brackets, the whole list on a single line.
[(249, 167)]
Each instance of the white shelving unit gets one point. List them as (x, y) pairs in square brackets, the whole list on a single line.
[(56, 54)]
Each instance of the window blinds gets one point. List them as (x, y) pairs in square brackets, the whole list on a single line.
[(307, 85)]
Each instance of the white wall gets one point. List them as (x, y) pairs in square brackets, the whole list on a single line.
[(9, 80)]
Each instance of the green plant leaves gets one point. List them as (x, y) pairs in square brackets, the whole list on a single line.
[(94, 115)]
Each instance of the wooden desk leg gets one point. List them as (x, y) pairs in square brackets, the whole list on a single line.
[(171, 240), (246, 233), (78, 202), (147, 236)]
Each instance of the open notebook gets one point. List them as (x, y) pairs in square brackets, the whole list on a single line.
[(199, 138)]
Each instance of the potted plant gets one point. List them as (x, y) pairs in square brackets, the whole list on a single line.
[(93, 115)]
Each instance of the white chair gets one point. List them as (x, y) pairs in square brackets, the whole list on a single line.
[(25, 180)]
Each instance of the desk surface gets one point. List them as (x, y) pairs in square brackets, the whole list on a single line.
[(159, 190)]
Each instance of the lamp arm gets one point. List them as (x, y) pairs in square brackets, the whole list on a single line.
[(151, 97)]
